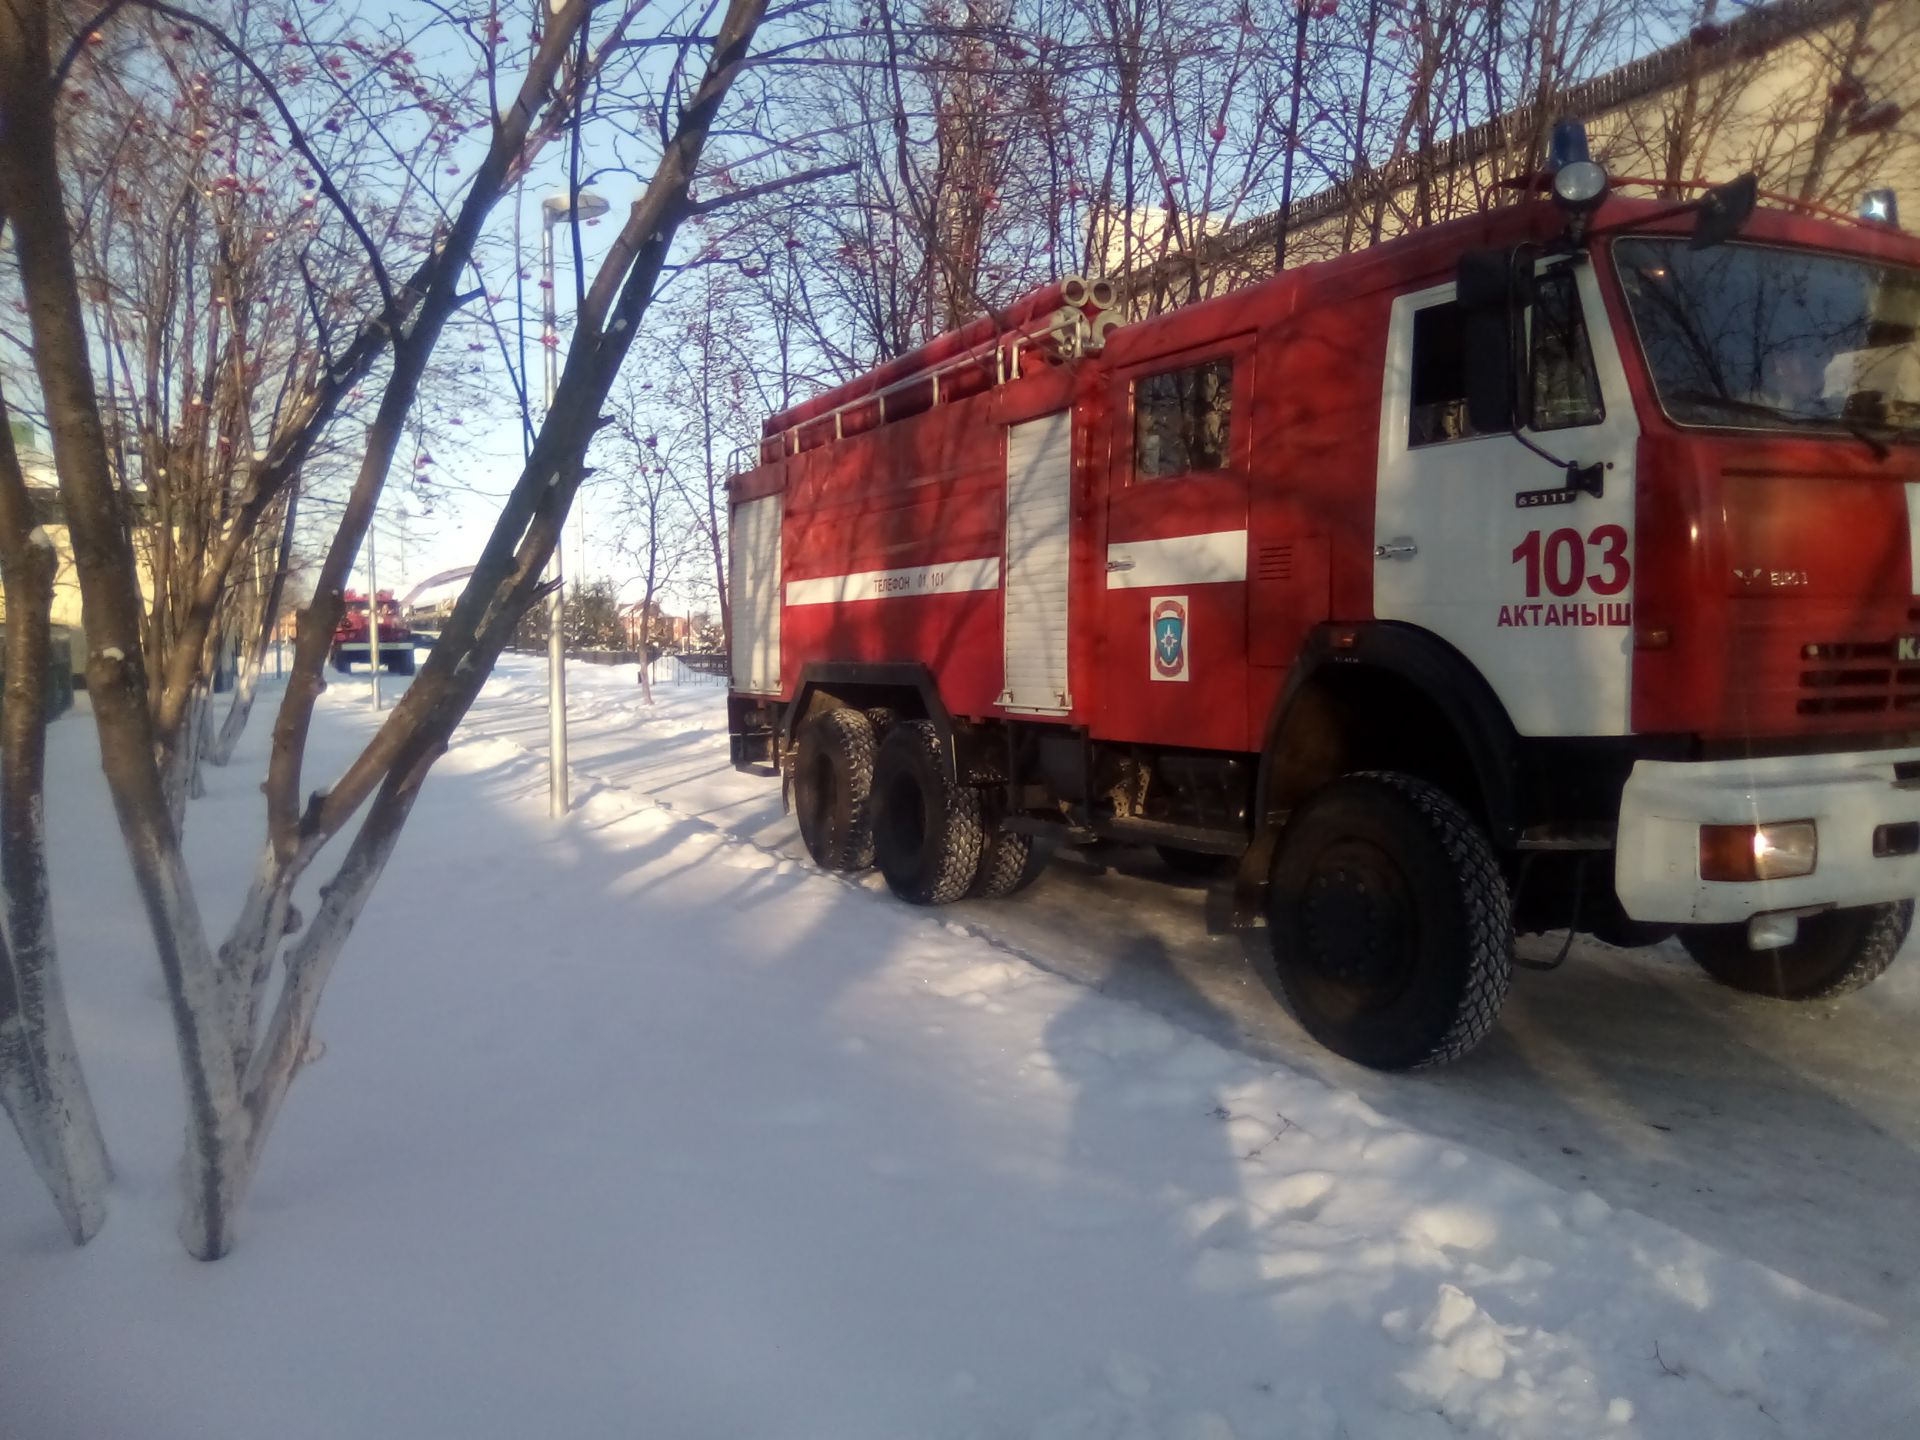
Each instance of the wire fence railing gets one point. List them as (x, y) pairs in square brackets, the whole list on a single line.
[(691, 668)]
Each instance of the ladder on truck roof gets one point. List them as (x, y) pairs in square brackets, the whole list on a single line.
[(1060, 322)]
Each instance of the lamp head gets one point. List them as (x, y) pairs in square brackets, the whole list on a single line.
[(582, 205)]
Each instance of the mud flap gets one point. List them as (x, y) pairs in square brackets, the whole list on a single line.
[(1249, 896)]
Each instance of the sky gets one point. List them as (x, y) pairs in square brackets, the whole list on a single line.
[(474, 472), (417, 542)]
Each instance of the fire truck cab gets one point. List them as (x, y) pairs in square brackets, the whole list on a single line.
[(1553, 568)]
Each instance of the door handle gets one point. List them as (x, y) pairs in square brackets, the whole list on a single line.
[(1401, 547), (1119, 564)]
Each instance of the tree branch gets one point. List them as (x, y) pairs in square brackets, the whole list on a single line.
[(769, 187)]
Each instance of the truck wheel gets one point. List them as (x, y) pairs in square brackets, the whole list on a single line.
[(832, 786), (927, 831), (1834, 953), (341, 663), (1391, 923), (1006, 864), (401, 663)]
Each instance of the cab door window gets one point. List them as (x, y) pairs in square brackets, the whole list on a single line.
[(1565, 388)]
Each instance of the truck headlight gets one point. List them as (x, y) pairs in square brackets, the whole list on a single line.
[(1777, 851)]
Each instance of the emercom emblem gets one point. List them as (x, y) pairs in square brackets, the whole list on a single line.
[(1167, 627)]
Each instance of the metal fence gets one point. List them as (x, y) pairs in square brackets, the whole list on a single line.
[(691, 669), (686, 668)]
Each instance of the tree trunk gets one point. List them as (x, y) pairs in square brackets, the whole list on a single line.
[(180, 759), (285, 1046), (220, 750), (30, 193), (1297, 86), (42, 1086), (233, 724), (201, 735), (1359, 172)]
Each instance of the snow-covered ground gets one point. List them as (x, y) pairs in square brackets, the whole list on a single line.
[(636, 1125), (1790, 1133)]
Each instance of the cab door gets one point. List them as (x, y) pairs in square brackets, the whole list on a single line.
[(1174, 621), (1477, 538)]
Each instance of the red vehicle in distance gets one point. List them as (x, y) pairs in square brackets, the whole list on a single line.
[(352, 640)]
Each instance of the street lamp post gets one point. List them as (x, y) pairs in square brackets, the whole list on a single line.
[(555, 209), (373, 612)]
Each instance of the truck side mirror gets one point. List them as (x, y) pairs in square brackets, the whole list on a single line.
[(1490, 298), (1723, 211)]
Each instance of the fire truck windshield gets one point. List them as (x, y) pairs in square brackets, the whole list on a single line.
[(1762, 337)]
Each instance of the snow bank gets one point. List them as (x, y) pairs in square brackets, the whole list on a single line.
[(629, 1126)]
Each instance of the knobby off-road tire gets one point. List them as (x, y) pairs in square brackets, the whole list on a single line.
[(1392, 926), (927, 830), (1006, 863), (1835, 953), (833, 787)]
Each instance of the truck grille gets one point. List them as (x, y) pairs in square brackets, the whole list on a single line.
[(1856, 678)]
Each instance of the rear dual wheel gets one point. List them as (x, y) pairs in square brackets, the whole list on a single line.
[(832, 789), (869, 786), (928, 830), (1007, 863)]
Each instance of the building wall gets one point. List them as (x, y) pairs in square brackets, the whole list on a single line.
[(66, 611), (1796, 93)]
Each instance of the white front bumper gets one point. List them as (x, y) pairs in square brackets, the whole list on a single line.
[(1656, 867)]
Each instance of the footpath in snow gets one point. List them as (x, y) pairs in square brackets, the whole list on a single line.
[(630, 1126)]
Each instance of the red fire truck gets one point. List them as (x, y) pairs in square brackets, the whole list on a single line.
[(352, 638), (1557, 567)]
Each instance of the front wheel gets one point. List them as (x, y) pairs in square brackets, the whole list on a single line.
[(1833, 954), (1391, 923)]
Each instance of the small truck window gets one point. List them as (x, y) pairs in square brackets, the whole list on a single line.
[(1182, 420), (1439, 401)]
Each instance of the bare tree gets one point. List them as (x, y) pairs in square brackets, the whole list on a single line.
[(660, 532), (242, 1039), (213, 268), (709, 412)]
